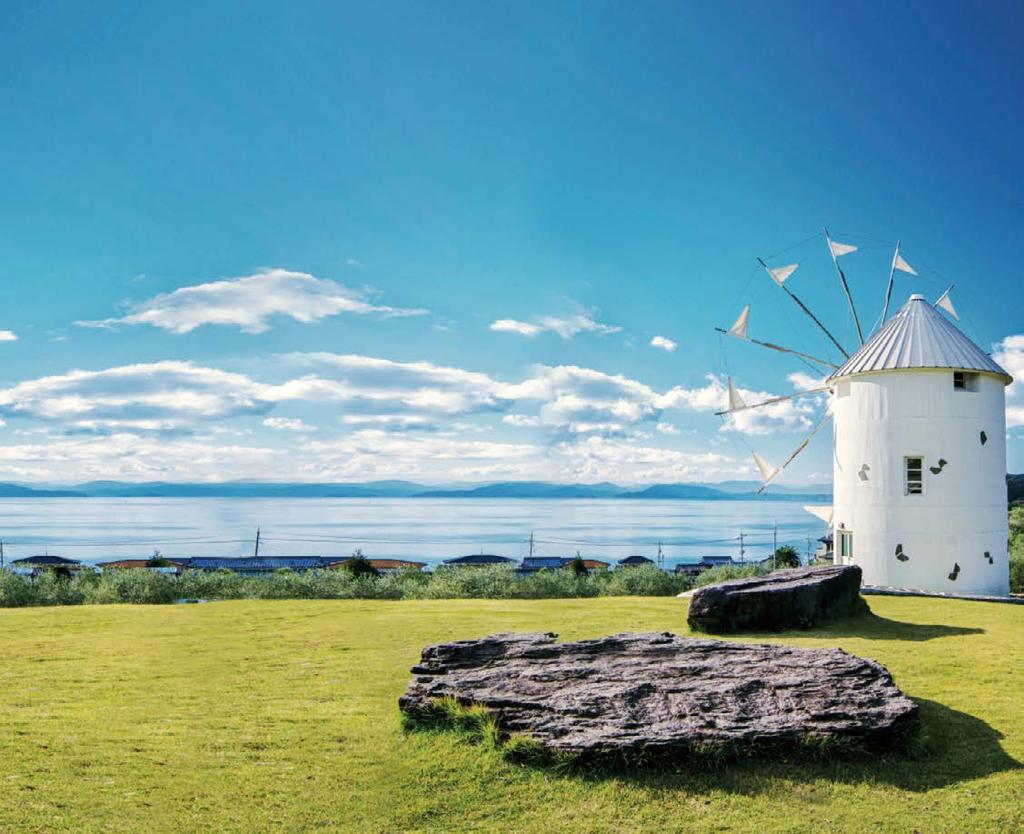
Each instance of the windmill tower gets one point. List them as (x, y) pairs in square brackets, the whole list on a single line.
[(919, 462), (920, 458)]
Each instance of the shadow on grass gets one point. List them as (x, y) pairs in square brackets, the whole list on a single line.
[(951, 747), (870, 626)]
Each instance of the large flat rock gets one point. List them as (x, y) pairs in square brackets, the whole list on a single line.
[(795, 598), (661, 693)]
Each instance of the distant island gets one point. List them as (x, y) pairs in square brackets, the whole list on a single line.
[(725, 491)]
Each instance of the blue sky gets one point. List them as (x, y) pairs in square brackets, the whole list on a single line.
[(370, 188)]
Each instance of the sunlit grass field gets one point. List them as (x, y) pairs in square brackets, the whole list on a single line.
[(281, 716)]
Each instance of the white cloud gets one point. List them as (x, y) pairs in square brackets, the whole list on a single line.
[(805, 382), (249, 303), (8, 336), (565, 327), (513, 326), (787, 416), (521, 420), (663, 343), (287, 424), (666, 428), (160, 395), (1010, 354)]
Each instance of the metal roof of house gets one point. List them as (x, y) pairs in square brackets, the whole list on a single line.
[(479, 559), (541, 562), (45, 560), (636, 560), (919, 336), (257, 563)]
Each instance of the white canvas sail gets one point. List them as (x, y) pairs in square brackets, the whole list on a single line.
[(740, 327), (822, 511), (781, 273), (840, 249), (902, 265), (766, 469), (946, 303), (735, 400)]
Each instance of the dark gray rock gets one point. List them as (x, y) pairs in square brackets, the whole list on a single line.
[(795, 598), (664, 694)]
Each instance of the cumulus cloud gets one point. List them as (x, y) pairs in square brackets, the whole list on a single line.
[(565, 327), (249, 302), (160, 395), (8, 336), (1010, 354), (663, 343), (667, 428), (287, 424)]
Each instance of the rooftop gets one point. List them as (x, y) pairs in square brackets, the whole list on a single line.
[(919, 336)]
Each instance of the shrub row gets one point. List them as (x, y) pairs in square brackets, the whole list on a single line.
[(147, 587)]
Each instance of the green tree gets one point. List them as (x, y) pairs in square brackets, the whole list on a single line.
[(577, 566), (358, 565), (787, 557), (157, 560)]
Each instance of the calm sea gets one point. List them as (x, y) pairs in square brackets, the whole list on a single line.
[(426, 529)]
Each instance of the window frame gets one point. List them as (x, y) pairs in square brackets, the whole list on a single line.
[(845, 550), (907, 491), (968, 380)]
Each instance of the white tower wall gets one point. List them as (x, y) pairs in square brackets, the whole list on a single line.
[(882, 417)]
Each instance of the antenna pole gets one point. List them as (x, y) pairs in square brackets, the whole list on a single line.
[(888, 289), (781, 349), (846, 287), (803, 307), (256, 551)]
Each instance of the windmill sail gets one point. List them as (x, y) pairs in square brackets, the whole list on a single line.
[(946, 303), (768, 472), (740, 327), (902, 265), (781, 273), (735, 400), (839, 249), (792, 457), (822, 511)]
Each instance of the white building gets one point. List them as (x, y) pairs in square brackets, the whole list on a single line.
[(920, 458)]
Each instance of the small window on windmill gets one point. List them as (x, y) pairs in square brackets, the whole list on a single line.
[(913, 477), (846, 547), (965, 381)]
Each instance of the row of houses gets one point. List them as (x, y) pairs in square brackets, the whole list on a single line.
[(256, 565)]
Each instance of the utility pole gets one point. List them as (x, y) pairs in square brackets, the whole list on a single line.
[(808, 550), (1, 554), (775, 541), (531, 544), (742, 549), (661, 556), (256, 552)]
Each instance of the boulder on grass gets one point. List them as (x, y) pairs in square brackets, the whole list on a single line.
[(644, 695), (795, 598)]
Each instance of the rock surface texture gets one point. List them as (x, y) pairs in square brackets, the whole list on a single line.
[(664, 694), (795, 598)]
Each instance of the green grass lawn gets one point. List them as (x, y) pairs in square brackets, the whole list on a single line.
[(282, 716)]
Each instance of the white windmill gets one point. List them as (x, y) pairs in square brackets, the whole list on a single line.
[(919, 462)]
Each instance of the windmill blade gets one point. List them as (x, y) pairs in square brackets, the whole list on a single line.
[(822, 511), (735, 400), (902, 266), (837, 250), (781, 349), (796, 452), (744, 407), (774, 276), (946, 303), (739, 329)]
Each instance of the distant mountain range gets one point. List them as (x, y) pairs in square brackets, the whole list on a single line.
[(727, 491)]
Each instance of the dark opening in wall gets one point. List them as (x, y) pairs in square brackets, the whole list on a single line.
[(988, 556), (984, 438), (955, 573), (935, 470), (900, 555)]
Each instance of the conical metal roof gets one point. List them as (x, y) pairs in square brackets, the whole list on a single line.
[(919, 336)]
